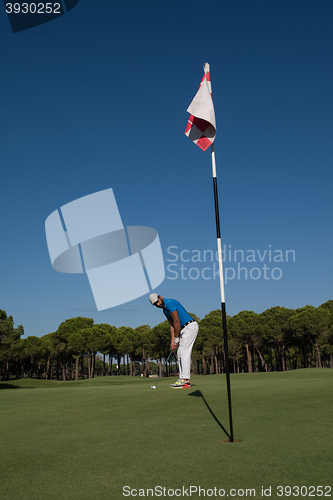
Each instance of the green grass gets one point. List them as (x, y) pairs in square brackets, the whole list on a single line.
[(88, 439)]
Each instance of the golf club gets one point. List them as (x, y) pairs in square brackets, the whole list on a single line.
[(155, 386)]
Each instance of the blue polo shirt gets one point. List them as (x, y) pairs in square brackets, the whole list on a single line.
[(171, 305)]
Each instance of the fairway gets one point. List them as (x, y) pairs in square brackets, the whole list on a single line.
[(88, 439)]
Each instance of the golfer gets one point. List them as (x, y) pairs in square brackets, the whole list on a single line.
[(184, 331)]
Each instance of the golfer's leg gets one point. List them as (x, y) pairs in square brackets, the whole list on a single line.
[(189, 334), (179, 362)]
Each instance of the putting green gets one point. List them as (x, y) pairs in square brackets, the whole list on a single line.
[(89, 439)]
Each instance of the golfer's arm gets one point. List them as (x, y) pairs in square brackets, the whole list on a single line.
[(175, 324), (172, 331)]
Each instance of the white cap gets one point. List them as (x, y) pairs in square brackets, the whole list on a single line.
[(153, 297)]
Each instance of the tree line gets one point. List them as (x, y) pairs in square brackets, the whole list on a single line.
[(277, 339)]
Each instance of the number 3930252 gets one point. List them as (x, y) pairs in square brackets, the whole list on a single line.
[(33, 8), (304, 491)]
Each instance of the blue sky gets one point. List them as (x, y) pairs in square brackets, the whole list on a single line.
[(97, 99)]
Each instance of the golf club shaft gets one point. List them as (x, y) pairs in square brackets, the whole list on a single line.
[(164, 365)]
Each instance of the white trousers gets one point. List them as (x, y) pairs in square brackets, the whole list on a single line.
[(187, 338)]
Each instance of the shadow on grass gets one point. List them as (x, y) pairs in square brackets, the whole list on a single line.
[(11, 386), (198, 394)]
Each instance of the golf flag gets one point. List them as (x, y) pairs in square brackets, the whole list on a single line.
[(201, 129), (201, 126)]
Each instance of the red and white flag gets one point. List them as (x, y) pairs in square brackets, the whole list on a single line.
[(201, 126)]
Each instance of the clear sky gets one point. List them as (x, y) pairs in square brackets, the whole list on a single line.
[(97, 99)]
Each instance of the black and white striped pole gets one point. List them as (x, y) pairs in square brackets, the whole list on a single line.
[(224, 317)]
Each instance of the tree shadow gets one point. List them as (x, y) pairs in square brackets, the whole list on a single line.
[(198, 394), (11, 386)]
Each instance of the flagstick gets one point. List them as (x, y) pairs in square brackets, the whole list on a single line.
[(224, 318)]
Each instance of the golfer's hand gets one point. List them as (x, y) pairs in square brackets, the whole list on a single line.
[(174, 343)]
